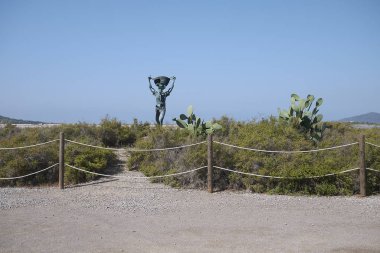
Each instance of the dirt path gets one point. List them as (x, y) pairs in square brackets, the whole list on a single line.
[(130, 215)]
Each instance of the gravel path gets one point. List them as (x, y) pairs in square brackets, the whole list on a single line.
[(127, 215)]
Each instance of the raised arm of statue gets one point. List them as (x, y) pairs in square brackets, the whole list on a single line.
[(150, 86), (171, 88)]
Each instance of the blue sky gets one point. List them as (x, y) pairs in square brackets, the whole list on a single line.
[(70, 61)]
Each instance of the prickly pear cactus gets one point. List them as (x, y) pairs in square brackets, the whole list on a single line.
[(196, 125), (300, 115)]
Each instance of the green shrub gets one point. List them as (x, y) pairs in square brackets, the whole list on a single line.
[(113, 134), (20, 162), (163, 162), (269, 134), (127, 136), (95, 160), (326, 189), (110, 131)]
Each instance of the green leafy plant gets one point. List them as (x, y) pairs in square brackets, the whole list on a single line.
[(196, 125), (109, 131), (269, 134), (113, 133), (92, 160), (303, 117)]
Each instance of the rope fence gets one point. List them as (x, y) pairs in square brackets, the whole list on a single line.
[(128, 177), (371, 144), (190, 145), (373, 170), (286, 151), (30, 146), (362, 169), (12, 178), (93, 146), (137, 150), (276, 177)]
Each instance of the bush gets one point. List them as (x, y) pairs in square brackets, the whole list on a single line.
[(110, 131), (95, 160), (172, 161), (113, 134), (127, 136), (24, 161), (326, 189), (269, 134)]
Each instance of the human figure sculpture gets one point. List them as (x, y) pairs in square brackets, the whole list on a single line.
[(161, 82)]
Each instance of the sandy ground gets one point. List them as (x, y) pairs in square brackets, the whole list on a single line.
[(122, 216), (134, 215)]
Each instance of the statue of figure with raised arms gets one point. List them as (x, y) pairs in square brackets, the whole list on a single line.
[(161, 82)]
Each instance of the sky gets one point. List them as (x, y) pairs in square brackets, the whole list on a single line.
[(78, 60)]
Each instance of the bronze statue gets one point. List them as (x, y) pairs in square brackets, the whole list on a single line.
[(161, 83)]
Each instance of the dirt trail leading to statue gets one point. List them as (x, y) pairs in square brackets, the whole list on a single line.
[(133, 215)]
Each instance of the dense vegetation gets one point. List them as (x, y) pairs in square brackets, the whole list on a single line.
[(269, 134), (19, 162)]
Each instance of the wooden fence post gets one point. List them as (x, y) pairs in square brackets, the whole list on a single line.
[(362, 167), (61, 160), (209, 164)]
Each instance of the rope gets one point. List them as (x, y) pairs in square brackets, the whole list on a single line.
[(136, 150), (10, 178), (92, 146), (284, 151), (245, 173), (163, 149), (30, 146), (372, 144), (105, 175), (257, 175), (373, 170)]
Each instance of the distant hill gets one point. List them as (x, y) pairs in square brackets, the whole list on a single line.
[(6, 120), (372, 118)]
